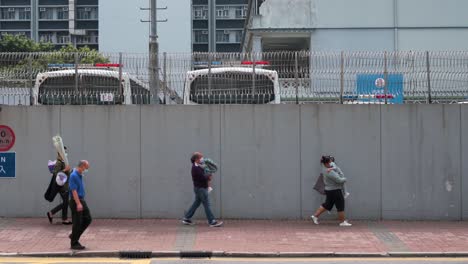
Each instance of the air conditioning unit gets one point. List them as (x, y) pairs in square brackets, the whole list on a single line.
[(227, 32), (65, 9), (11, 10), (27, 9), (87, 9), (42, 9), (204, 32)]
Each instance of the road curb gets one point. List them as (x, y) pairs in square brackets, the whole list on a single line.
[(234, 254)]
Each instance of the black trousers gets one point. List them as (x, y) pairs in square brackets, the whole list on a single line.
[(63, 206), (81, 220)]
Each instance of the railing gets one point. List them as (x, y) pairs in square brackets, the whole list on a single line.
[(304, 77)]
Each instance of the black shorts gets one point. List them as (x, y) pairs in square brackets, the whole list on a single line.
[(335, 198)]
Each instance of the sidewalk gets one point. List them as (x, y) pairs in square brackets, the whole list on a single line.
[(238, 236)]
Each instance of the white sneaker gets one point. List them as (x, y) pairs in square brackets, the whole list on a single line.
[(210, 189), (345, 223), (346, 195), (315, 219)]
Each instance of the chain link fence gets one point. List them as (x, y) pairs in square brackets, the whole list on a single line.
[(233, 78)]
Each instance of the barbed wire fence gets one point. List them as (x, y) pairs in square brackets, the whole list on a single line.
[(232, 78)]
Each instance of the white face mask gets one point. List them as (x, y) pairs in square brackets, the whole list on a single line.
[(85, 171), (202, 160)]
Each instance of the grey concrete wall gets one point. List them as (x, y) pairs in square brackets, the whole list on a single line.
[(402, 161)]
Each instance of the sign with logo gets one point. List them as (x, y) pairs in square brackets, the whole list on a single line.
[(7, 165), (7, 138), (371, 88)]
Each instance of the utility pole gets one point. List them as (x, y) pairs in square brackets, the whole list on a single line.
[(154, 50)]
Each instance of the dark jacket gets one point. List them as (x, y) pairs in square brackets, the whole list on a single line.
[(54, 188), (198, 177)]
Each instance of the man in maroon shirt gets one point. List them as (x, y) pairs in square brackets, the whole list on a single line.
[(200, 183)]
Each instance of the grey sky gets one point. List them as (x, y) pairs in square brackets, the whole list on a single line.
[(120, 29)]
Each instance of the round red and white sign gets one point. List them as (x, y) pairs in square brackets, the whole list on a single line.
[(7, 138), (380, 82)]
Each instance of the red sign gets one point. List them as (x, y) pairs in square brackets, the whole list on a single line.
[(7, 138)]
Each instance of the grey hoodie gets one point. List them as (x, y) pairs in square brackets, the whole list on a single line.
[(334, 180)]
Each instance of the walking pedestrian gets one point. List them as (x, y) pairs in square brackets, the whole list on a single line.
[(81, 215), (333, 191), (200, 183), (54, 188)]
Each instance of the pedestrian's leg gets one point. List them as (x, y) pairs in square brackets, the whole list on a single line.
[(65, 205), (341, 216), (320, 211), (207, 205), (56, 208), (189, 214), (77, 222), (86, 217)]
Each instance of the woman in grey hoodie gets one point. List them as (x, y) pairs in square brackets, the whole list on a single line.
[(334, 183)]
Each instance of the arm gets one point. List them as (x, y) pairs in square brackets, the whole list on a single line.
[(79, 206), (335, 177)]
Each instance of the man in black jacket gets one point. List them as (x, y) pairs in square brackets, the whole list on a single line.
[(200, 183)]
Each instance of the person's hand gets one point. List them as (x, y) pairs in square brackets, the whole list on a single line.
[(67, 168), (79, 207), (329, 170)]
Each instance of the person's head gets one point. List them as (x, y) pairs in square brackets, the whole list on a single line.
[(196, 157), (326, 161), (332, 158), (82, 167)]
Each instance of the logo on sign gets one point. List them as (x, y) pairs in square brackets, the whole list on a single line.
[(380, 82), (7, 138), (107, 97)]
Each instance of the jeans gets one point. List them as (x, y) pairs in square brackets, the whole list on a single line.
[(63, 206), (81, 220), (201, 197)]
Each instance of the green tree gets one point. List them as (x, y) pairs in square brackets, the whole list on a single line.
[(19, 43)]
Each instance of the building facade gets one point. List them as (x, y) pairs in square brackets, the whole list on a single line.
[(217, 25), (358, 25), (60, 22)]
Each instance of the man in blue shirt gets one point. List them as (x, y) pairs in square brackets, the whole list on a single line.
[(80, 212)]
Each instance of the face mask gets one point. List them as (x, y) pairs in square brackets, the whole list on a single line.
[(202, 160), (85, 171)]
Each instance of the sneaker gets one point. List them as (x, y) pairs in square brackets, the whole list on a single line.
[(187, 222), (345, 223), (315, 219), (77, 246), (210, 189), (346, 195), (216, 224)]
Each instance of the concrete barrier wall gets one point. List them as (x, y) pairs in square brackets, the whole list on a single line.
[(402, 162)]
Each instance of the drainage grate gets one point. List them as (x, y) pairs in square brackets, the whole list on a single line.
[(135, 254), (196, 254)]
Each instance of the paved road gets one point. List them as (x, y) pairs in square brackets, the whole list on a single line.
[(234, 261)]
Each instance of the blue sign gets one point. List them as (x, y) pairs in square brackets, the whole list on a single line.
[(371, 88), (7, 165)]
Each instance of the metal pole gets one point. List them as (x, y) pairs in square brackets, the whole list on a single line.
[(77, 77), (210, 77), (121, 88), (385, 78), (31, 83), (429, 96), (254, 88), (165, 76), (154, 50), (296, 76), (342, 77)]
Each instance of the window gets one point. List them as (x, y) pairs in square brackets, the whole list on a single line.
[(87, 13), (63, 39), (238, 36), (46, 37), (25, 14), (241, 12), (62, 13), (84, 40), (222, 12), (201, 36), (200, 12), (8, 13), (46, 13), (222, 36)]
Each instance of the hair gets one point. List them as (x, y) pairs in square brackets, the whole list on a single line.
[(332, 158), (325, 160), (195, 156), (82, 163)]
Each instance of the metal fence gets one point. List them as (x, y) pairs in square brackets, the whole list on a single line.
[(223, 78)]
